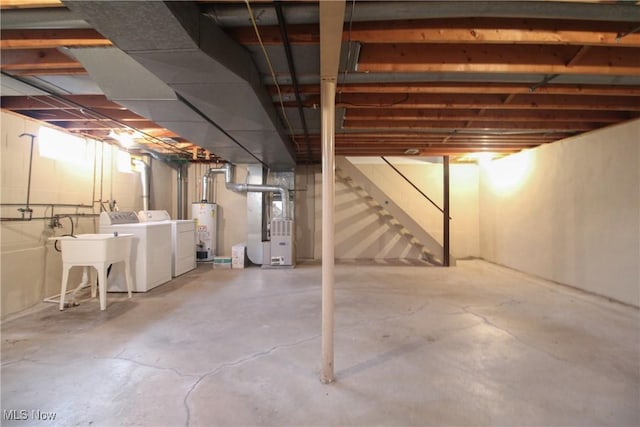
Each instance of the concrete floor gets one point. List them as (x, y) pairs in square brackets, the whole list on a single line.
[(472, 345)]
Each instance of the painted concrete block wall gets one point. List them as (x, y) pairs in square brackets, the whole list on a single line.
[(163, 183), (30, 268), (305, 205), (569, 212)]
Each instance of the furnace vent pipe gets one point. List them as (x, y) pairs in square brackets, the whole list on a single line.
[(228, 170), (144, 181), (205, 185)]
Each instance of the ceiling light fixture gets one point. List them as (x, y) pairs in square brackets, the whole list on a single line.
[(480, 158), (412, 151), (125, 138)]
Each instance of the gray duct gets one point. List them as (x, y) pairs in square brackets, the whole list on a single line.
[(144, 181), (228, 171), (203, 85)]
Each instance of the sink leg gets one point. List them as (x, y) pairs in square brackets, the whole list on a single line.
[(102, 288), (127, 269), (63, 288), (94, 285)]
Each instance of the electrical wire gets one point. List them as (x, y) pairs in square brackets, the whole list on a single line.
[(273, 73)]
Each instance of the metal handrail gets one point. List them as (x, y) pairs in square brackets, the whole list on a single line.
[(413, 185)]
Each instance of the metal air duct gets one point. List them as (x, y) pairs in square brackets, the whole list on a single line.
[(211, 91), (228, 171)]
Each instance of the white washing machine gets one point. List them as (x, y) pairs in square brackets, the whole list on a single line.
[(150, 251), (183, 239)]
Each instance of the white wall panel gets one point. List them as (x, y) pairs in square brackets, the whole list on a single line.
[(569, 212)]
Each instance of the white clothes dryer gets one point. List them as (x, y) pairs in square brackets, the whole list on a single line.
[(150, 251), (183, 239)]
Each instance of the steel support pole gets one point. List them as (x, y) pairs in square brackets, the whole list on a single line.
[(328, 90), (331, 23), (445, 216)]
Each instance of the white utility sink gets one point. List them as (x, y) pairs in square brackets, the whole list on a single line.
[(86, 249), (98, 251)]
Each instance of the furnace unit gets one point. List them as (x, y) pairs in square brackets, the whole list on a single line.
[(282, 242)]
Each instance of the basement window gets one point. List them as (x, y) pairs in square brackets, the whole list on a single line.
[(63, 147), (123, 162)]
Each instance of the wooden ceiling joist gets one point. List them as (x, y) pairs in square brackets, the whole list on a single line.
[(51, 38), (388, 116), (30, 4), (538, 59), (36, 59), (18, 103), (74, 71)]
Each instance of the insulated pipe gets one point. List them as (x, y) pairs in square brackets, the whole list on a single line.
[(228, 170)]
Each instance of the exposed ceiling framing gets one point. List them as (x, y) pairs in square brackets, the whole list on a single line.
[(455, 78)]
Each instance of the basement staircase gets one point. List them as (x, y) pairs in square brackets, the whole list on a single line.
[(432, 251)]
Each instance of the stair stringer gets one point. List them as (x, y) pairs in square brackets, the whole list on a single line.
[(432, 250)]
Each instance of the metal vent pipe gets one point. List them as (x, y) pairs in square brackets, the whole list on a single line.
[(205, 185), (181, 173), (144, 181), (228, 171)]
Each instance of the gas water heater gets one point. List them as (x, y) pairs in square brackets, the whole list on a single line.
[(206, 216)]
